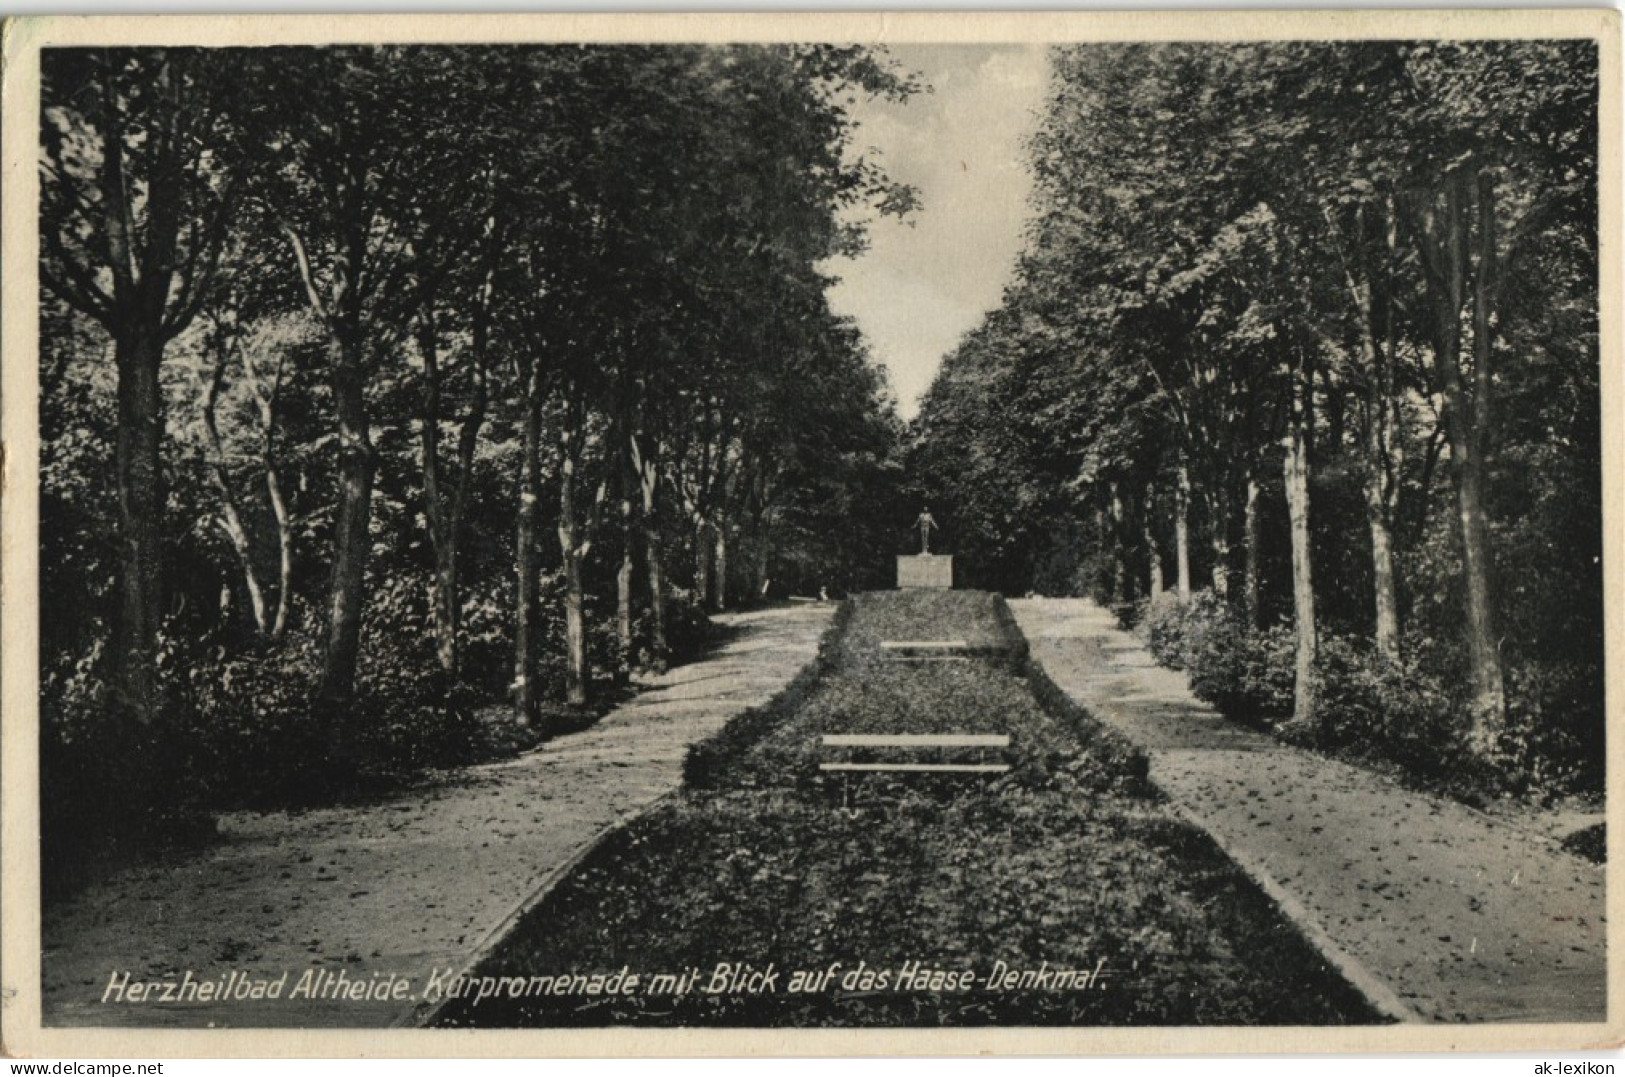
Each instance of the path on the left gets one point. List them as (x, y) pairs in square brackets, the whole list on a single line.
[(408, 886)]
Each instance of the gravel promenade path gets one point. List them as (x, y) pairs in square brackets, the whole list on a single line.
[(405, 887), (1439, 912)]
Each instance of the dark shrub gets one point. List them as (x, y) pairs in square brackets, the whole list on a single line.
[(89, 803), (409, 713), (244, 721), (487, 641), (1164, 629), (1590, 843), (1246, 674), (689, 630), (249, 733), (1131, 615), (1392, 710), (1553, 740)]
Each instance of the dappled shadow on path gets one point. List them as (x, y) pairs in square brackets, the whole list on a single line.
[(405, 885), (1459, 916)]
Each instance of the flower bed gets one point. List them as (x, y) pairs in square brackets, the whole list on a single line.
[(859, 883)]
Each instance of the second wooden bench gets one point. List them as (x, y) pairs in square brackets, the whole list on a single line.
[(915, 741)]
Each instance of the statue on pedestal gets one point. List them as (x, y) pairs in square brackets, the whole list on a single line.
[(925, 569), (925, 523)]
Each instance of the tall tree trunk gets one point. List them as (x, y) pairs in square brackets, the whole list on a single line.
[(1217, 493), (231, 519), (702, 564), (141, 284), (1446, 246), (719, 521), (1380, 441), (446, 606), (720, 594), (445, 509), (441, 539), (1336, 410), (1219, 540), (1304, 693), (1148, 535), (468, 444), (1383, 578), (1104, 577), (351, 530), (137, 354), (575, 633), (265, 398), (1411, 516), (138, 289), (1250, 582), (1122, 582), (347, 372), (1489, 687), (231, 522), (284, 543), (527, 627), (759, 574), (266, 391), (130, 276), (1379, 489), (623, 575), (649, 482), (623, 595), (573, 550), (659, 650), (1182, 544)]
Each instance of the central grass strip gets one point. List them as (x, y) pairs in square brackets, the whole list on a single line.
[(771, 893)]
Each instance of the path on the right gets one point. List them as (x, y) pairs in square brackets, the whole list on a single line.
[(1458, 916)]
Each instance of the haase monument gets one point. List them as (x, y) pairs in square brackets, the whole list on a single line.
[(925, 569)]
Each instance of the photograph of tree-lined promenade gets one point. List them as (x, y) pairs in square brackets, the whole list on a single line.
[(820, 535)]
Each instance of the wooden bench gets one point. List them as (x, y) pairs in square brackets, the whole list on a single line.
[(926, 650), (916, 741)]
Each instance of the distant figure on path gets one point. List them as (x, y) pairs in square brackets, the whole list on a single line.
[(925, 523)]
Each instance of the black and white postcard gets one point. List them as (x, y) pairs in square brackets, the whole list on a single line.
[(1061, 533)]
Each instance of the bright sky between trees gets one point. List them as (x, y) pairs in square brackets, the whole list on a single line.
[(925, 282)]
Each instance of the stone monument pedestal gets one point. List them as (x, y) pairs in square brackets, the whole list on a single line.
[(925, 570)]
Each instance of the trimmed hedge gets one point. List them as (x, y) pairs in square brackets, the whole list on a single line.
[(1405, 713), (1068, 859)]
